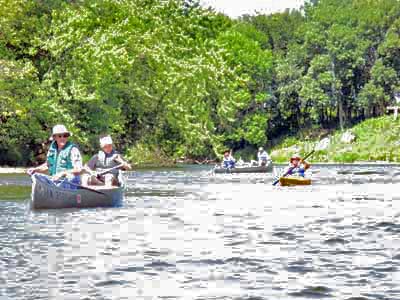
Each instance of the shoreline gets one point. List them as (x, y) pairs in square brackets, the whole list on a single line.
[(22, 170), (13, 170)]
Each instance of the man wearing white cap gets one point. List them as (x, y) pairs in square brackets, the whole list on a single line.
[(64, 160), (262, 157), (106, 158)]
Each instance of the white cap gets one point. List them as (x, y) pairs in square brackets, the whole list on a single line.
[(105, 141), (59, 129)]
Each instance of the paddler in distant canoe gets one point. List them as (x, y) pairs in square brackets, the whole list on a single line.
[(297, 166), (228, 161), (263, 157)]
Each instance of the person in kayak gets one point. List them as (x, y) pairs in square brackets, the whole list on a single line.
[(64, 161), (228, 161), (263, 157), (297, 166), (105, 159)]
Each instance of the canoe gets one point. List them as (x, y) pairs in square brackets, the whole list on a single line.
[(46, 195), (257, 169), (288, 181)]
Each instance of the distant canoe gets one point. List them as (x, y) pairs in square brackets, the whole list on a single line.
[(49, 196), (265, 169), (288, 181)]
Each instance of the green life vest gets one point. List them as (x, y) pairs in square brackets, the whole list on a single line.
[(59, 161)]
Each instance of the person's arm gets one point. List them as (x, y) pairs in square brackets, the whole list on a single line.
[(39, 169), (306, 165), (76, 158), (91, 164), (125, 164)]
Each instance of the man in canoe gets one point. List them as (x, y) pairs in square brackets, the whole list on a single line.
[(228, 161), (106, 158), (64, 161), (262, 157), (297, 166)]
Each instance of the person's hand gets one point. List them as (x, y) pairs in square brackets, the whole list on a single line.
[(127, 166), (60, 175), (31, 171), (90, 171)]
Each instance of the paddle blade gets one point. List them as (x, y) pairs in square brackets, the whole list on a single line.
[(323, 144)]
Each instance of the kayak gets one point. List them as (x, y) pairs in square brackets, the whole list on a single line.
[(256, 169), (46, 195), (288, 181)]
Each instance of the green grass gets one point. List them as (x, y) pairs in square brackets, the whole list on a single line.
[(14, 192), (376, 140)]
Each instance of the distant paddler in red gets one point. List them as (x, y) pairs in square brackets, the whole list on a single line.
[(297, 166), (228, 162)]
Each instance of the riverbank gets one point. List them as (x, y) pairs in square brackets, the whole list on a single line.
[(14, 170), (373, 140)]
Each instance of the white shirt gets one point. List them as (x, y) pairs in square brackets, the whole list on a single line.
[(76, 158), (263, 156)]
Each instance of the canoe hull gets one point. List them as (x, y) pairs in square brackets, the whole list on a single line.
[(289, 181), (47, 196), (265, 169)]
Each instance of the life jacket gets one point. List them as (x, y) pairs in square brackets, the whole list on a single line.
[(106, 161), (229, 162), (59, 160), (299, 171)]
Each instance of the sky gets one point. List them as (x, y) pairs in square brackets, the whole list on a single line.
[(235, 8)]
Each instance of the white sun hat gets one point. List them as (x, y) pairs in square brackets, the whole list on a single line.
[(59, 129), (106, 140)]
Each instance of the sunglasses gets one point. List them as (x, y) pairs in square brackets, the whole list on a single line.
[(62, 135)]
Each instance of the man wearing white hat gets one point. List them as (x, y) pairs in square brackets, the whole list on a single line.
[(106, 158), (63, 158), (262, 157)]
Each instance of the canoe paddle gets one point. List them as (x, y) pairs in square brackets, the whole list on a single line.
[(109, 170), (99, 174), (77, 185), (322, 145), (85, 188)]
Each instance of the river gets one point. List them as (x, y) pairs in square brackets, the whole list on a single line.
[(187, 234)]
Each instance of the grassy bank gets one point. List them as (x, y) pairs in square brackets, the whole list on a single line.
[(376, 140), (14, 192)]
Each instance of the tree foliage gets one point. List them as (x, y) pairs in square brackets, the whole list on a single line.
[(186, 81)]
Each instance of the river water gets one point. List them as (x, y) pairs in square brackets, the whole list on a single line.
[(187, 234)]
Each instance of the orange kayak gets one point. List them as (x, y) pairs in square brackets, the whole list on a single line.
[(288, 181)]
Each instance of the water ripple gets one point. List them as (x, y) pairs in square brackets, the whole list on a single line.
[(188, 235)]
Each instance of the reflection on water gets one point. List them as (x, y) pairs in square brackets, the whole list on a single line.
[(193, 235)]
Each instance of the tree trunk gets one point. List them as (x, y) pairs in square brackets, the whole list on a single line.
[(336, 95), (341, 114)]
